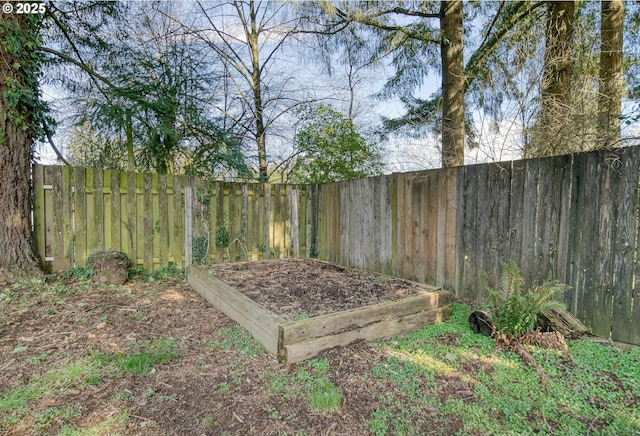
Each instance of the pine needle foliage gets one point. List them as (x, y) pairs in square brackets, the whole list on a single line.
[(516, 307)]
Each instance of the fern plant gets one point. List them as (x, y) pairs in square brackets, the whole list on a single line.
[(516, 308)]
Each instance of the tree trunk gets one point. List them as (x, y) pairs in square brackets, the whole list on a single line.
[(481, 322), (18, 104), (555, 105), (170, 137), (451, 50), (261, 134), (131, 160), (562, 322), (611, 81)]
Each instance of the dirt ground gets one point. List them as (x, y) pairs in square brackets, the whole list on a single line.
[(295, 287), (208, 389)]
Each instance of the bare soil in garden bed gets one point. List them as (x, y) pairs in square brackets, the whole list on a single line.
[(306, 287)]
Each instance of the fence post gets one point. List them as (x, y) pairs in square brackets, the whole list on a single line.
[(188, 226)]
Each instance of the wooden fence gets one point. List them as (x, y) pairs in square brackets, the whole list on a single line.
[(80, 210), (570, 218)]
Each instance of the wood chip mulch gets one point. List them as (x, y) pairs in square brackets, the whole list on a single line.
[(308, 287)]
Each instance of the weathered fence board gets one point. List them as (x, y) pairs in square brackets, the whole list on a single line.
[(448, 208), (40, 213), (562, 178), (178, 221), (627, 179), (467, 222), (500, 190), (80, 216), (570, 218), (163, 221)]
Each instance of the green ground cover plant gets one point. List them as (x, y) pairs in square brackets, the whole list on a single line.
[(311, 383), (239, 338), (599, 389)]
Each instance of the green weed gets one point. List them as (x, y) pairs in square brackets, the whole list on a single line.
[(379, 423), (223, 388), (76, 273), (18, 398), (278, 383), (301, 316), (208, 421), (323, 396), (168, 272), (152, 354), (143, 358), (381, 278), (239, 338), (124, 395), (39, 359), (93, 380), (319, 367), (20, 349), (311, 383), (44, 420), (273, 412)]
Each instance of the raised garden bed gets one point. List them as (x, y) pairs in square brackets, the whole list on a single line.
[(297, 308)]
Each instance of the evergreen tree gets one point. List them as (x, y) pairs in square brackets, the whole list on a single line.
[(611, 82), (419, 39), (555, 89), (21, 117), (153, 95)]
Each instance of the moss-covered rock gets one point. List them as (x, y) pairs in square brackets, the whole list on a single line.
[(111, 267)]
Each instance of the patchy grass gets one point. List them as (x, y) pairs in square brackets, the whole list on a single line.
[(15, 404), (152, 357), (142, 359), (494, 392), (323, 396), (312, 383), (239, 338)]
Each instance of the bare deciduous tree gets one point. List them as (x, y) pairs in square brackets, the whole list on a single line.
[(248, 36)]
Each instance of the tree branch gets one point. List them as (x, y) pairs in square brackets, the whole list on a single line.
[(47, 133), (86, 68), (404, 11), (368, 21), (514, 16)]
